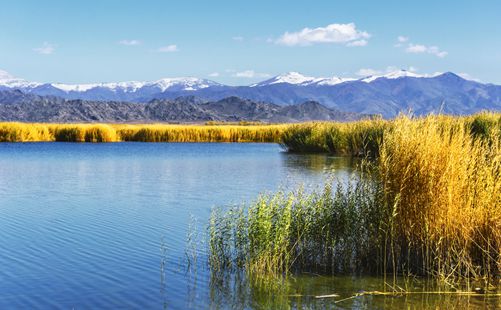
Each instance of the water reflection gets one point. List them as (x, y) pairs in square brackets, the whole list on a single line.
[(318, 162)]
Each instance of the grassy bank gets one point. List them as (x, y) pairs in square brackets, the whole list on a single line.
[(34, 132), (363, 138), (428, 204)]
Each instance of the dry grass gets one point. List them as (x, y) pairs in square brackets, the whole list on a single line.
[(444, 185), (34, 132), (360, 138)]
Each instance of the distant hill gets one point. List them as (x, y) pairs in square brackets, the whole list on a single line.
[(17, 106), (388, 94)]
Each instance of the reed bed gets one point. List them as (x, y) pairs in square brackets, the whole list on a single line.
[(330, 231), (44, 132), (427, 203), (364, 138), (201, 133), (442, 180), (361, 138)]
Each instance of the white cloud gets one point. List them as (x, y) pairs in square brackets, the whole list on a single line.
[(334, 33), (45, 49), (129, 42), (368, 71), (402, 39), (168, 49), (238, 38), (245, 74), (416, 48), (249, 74), (419, 49), (214, 74), (358, 43), (4, 75)]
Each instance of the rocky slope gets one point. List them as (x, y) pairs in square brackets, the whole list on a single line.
[(17, 106)]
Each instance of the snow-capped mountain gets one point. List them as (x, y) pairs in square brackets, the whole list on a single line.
[(127, 91), (398, 74), (387, 94), (296, 78), (11, 82)]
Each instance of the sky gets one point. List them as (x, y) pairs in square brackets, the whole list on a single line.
[(241, 42)]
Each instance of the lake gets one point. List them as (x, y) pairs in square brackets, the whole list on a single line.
[(105, 225)]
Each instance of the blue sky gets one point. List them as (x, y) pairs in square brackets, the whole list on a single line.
[(240, 42)]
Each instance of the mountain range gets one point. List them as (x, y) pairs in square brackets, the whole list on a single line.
[(18, 106), (388, 94)]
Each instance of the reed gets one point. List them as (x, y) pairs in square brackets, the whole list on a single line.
[(201, 133), (427, 203), (20, 132), (361, 138), (34, 132), (327, 232), (444, 185)]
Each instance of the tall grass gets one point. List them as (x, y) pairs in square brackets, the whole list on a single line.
[(328, 231), (444, 184), (361, 138), (200, 133), (428, 203), (20, 132), (32, 132)]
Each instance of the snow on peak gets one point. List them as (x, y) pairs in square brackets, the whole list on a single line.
[(132, 86), (297, 78), (193, 84), (333, 81), (8, 80), (292, 78), (184, 83), (74, 87), (393, 75), (288, 78)]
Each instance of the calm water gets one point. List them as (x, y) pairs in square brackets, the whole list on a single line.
[(105, 225)]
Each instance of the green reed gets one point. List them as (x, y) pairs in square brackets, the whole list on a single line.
[(335, 230)]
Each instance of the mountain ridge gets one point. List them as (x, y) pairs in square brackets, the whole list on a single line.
[(18, 106), (387, 94)]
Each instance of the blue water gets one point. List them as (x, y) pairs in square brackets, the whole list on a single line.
[(105, 225)]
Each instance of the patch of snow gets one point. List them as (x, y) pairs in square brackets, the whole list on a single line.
[(398, 74), (333, 81), (295, 78), (133, 86), (74, 87), (7, 80)]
